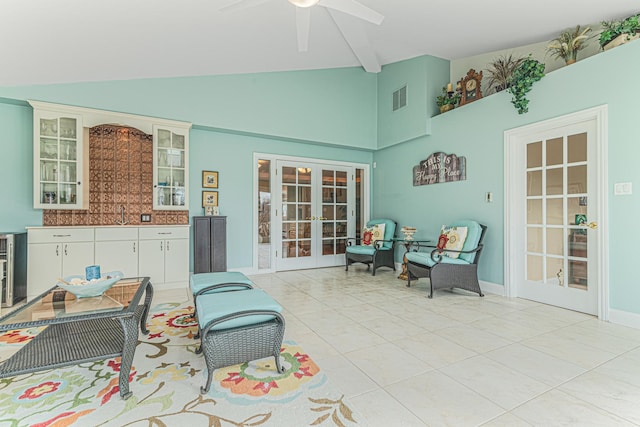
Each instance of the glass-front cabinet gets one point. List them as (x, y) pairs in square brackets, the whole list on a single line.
[(170, 171), (58, 161)]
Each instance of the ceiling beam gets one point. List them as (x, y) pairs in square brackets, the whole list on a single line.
[(353, 31)]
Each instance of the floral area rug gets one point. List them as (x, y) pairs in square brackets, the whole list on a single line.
[(165, 380)]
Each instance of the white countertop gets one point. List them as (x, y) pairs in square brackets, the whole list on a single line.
[(34, 227)]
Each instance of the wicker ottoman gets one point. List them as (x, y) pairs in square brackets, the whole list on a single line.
[(238, 327), (223, 281), (215, 282)]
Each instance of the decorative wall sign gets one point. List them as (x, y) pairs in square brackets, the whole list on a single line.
[(440, 167)]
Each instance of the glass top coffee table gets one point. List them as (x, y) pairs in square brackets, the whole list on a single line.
[(81, 330)]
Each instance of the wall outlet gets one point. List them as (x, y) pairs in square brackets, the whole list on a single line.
[(145, 217)]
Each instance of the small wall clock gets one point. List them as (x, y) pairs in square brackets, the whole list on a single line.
[(470, 87)]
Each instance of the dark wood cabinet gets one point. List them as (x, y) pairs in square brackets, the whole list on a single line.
[(209, 244)]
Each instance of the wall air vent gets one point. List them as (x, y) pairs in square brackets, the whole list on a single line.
[(400, 98)]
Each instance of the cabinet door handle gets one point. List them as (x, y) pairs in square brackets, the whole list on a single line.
[(161, 242), (168, 245), (62, 235), (57, 250), (65, 250), (134, 247)]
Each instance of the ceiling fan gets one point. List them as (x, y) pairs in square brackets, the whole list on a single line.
[(352, 31)]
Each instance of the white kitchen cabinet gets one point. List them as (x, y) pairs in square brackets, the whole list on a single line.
[(170, 168), (164, 254), (60, 157), (116, 249), (54, 252)]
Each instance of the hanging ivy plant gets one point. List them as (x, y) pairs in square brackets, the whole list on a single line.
[(522, 79)]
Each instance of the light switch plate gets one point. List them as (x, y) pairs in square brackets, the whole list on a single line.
[(145, 217), (622, 188)]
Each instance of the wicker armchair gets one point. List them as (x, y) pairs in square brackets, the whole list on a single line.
[(379, 254), (447, 272)]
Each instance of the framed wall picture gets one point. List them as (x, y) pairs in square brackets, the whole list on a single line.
[(209, 198), (209, 179)]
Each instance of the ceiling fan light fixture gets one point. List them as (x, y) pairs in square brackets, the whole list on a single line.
[(304, 3)]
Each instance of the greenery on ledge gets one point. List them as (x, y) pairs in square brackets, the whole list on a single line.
[(446, 99), (612, 29), (528, 72)]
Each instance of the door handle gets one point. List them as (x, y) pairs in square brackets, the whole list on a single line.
[(592, 225), (322, 218)]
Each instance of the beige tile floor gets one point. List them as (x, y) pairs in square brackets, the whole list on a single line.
[(458, 360)]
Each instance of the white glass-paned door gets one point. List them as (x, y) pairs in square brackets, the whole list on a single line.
[(315, 215), (560, 227)]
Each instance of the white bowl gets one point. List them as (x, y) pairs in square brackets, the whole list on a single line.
[(93, 288)]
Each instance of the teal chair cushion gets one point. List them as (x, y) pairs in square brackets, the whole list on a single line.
[(213, 306), (361, 250), (389, 230), (424, 258), (199, 281), (474, 231)]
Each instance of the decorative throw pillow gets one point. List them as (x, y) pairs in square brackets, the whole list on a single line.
[(442, 242), (367, 236), (371, 234), (378, 232), (455, 237)]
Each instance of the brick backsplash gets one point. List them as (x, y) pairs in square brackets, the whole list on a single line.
[(120, 175)]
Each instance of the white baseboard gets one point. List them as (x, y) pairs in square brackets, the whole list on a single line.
[(624, 318), (492, 288)]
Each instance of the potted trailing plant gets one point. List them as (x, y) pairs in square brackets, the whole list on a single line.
[(501, 70), (615, 33), (448, 100), (523, 77), (569, 43)]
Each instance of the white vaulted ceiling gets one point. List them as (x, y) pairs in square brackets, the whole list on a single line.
[(59, 41)]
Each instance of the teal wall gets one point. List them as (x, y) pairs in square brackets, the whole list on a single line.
[(424, 76), (336, 106), (476, 131), (16, 173), (232, 156), (334, 112)]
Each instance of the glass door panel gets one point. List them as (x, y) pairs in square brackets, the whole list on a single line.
[(316, 204), (296, 217), (556, 261), (58, 176), (170, 158)]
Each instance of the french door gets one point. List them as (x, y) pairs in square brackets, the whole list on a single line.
[(314, 214), (554, 219)]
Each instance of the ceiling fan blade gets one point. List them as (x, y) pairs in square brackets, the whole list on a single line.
[(303, 22), (354, 8), (236, 5)]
